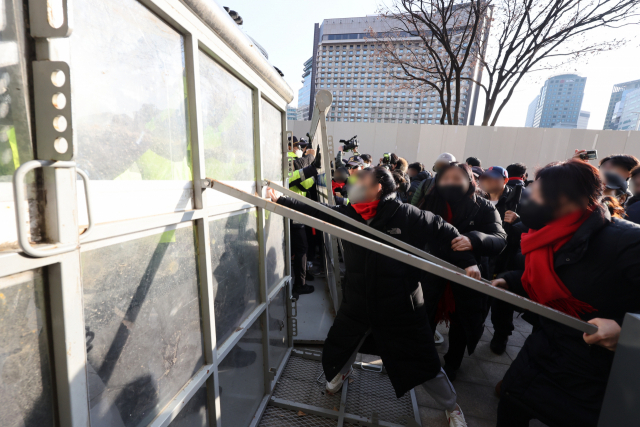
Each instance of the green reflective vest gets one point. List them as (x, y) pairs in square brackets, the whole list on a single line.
[(296, 183)]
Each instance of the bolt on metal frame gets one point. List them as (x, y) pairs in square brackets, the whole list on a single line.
[(63, 270)]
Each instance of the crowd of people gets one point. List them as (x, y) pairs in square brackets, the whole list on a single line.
[(567, 239)]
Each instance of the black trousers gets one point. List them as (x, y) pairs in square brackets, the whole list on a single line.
[(299, 249), (457, 343), (502, 317), (511, 414)]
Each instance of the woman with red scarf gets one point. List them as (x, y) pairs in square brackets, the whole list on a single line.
[(579, 260), (454, 197), (382, 297)]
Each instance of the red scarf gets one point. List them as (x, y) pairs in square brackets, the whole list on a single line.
[(447, 303), (515, 178), (540, 279), (366, 210), (336, 185)]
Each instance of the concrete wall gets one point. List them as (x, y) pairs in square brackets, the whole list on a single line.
[(495, 146)]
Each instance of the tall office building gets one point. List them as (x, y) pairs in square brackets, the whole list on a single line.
[(560, 102), (616, 96), (292, 113), (344, 63), (531, 112), (583, 119), (626, 114), (304, 94)]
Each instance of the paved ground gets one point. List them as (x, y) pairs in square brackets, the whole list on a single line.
[(476, 379)]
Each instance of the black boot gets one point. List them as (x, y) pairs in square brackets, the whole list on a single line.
[(498, 343), (302, 290)]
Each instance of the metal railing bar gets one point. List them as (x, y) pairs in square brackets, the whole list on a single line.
[(364, 227), (237, 335), (173, 408), (410, 259)]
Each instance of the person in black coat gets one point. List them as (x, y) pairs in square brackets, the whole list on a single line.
[(382, 296), (494, 181), (591, 262), (454, 197)]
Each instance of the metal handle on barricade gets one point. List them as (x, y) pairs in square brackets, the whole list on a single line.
[(21, 221)]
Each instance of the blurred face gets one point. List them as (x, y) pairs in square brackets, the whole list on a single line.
[(453, 185), (635, 184), (455, 176), (610, 167), (564, 205), (365, 190), (492, 185), (439, 165), (354, 170), (412, 173)]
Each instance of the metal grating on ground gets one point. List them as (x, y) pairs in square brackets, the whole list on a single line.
[(279, 417), (372, 392), (299, 383), (369, 396)]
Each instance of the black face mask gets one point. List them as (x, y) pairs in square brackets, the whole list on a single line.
[(452, 193), (534, 215)]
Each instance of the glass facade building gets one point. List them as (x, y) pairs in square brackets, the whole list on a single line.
[(616, 96), (560, 102), (345, 63), (304, 94)]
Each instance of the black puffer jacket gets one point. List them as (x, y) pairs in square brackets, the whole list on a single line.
[(509, 201), (556, 374), (415, 183), (384, 295), (477, 219)]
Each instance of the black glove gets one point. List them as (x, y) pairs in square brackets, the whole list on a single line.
[(317, 163)]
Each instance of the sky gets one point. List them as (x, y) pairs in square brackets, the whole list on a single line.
[(285, 29)]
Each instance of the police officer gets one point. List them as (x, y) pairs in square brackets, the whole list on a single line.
[(301, 184)]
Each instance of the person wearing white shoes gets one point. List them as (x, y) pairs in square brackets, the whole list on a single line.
[(383, 310)]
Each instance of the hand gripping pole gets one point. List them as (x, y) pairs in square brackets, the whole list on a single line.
[(437, 268)]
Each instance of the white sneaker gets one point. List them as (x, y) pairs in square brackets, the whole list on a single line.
[(438, 338), (336, 383), (456, 418)]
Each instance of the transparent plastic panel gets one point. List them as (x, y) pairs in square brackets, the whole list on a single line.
[(142, 314), (194, 413), (234, 261), (274, 232), (26, 393), (241, 376), (129, 107), (15, 132), (271, 141), (227, 117), (278, 336)]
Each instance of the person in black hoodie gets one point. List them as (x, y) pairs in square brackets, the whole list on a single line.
[(383, 298), (453, 196), (417, 174), (506, 199), (579, 260)]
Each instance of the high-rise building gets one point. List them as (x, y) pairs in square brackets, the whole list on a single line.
[(344, 62), (583, 119), (616, 96), (626, 114), (531, 112), (304, 94), (560, 102), (292, 113)]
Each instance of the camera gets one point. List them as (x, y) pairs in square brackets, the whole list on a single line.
[(350, 144), (386, 158), (589, 155)]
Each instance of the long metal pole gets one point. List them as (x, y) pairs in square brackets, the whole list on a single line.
[(423, 264), (364, 227)]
